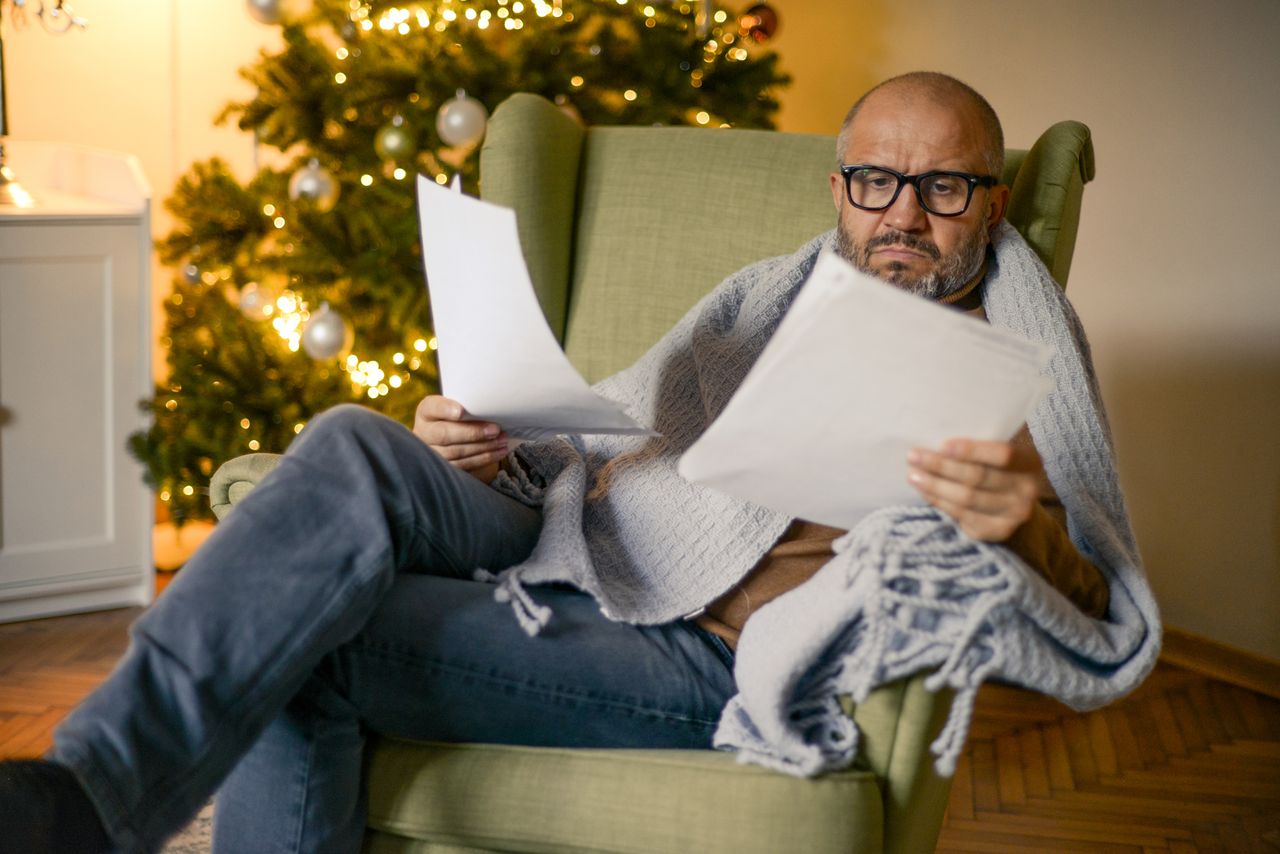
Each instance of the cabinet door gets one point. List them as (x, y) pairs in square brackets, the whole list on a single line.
[(75, 518)]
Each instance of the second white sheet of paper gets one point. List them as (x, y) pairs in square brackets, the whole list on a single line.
[(858, 373)]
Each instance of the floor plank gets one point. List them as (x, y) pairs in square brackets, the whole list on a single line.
[(1184, 764)]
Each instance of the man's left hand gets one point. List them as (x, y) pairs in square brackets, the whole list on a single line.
[(988, 488)]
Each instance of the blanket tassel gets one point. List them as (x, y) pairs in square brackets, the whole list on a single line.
[(531, 616)]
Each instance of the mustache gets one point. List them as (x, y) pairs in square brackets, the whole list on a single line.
[(905, 240)]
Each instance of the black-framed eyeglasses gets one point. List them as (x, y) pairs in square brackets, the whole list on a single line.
[(874, 188)]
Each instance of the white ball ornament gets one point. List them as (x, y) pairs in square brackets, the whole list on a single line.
[(461, 121), (264, 11), (394, 141), (326, 334), (313, 183)]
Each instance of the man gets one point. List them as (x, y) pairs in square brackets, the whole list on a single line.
[(339, 599)]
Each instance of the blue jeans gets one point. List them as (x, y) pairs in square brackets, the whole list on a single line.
[(337, 601)]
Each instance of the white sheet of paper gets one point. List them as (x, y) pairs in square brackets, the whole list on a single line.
[(858, 373), (498, 357)]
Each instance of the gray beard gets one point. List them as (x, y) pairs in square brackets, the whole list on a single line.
[(952, 273)]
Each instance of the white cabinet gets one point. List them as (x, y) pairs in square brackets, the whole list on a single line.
[(75, 517)]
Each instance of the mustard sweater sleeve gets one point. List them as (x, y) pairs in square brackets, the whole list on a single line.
[(1042, 542)]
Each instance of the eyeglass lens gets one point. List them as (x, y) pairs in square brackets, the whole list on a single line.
[(941, 194)]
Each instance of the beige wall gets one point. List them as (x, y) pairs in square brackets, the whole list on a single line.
[(1177, 286), (1175, 270)]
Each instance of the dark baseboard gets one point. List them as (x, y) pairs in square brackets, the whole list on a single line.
[(1211, 658)]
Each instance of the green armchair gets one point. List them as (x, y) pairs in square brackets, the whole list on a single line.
[(623, 230)]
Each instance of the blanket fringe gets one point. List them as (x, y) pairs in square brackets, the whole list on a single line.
[(925, 590), (531, 616)]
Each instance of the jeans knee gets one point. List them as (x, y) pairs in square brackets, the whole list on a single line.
[(350, 429), (345, 417), (349, 421)]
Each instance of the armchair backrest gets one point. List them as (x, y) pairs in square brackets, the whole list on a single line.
[(625, 228)]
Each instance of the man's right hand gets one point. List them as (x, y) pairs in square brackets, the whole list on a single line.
[(476, 447)]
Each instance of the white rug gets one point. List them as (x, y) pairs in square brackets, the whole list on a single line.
[(196, 837)]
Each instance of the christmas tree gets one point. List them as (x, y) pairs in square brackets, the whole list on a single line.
[(303, 288)]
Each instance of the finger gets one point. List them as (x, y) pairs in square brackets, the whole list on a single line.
[(976, 475), (455, 453), (969, 496), (435, 407), (984, 452), (461, 432), (479, 461), (1013, 455)]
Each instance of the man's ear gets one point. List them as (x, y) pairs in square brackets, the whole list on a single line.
[(997, 205), (837, 190)]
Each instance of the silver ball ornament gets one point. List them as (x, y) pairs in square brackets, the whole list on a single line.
[(326, 334), (461, 121), (313, 183), (264, 11), (394, 142)]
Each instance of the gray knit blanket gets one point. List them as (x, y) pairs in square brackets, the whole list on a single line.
[(905, 592)]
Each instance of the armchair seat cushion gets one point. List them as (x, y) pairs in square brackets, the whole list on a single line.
[(460, 797)]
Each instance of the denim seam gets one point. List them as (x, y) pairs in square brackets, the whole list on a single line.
[(249, 696), (396, 655), (305, 778)]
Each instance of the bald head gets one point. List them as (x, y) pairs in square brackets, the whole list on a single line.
[(941, 90)]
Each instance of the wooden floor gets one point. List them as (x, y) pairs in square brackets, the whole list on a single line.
[(1184, 764)]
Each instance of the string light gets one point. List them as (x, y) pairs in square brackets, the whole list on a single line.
[(289, 314), (512, 14)]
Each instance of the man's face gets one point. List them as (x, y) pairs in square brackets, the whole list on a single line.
[(922, 253)]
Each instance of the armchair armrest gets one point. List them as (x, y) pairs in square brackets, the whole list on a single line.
[(234, 478)]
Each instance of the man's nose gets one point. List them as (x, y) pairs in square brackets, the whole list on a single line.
[(905, 214)]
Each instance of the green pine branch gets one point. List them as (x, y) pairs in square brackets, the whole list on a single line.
[(229, 368)]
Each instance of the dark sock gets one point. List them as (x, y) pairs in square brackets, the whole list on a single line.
[(45, 810)]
